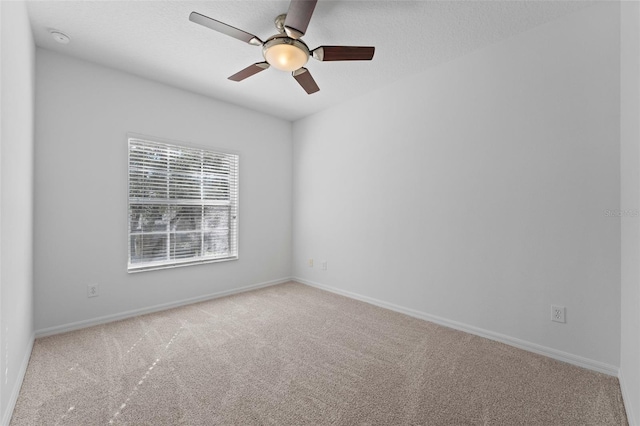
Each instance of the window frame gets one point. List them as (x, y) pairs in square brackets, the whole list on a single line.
[(177, 263)]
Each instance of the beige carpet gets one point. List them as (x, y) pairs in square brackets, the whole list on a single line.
[(295, 355)]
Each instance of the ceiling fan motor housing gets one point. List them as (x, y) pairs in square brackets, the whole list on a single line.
[(279, 22)]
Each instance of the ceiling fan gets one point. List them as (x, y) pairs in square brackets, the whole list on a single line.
[(285, 50)]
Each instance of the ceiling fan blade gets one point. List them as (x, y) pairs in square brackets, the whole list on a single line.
[(343, 53), (303, 76), (249, 71), (223, 28), (298, 17)]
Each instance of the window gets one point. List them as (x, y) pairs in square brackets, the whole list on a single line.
[(183, 205)]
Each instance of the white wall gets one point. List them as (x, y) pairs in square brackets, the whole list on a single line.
[(16, 200), (83, 114), (630, 205), (476, 191)]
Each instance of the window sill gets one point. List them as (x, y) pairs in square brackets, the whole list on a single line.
[(136, 269)]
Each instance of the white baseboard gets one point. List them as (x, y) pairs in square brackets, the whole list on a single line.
[(627, 399), (6, 419), (164, 306), (512, 341)]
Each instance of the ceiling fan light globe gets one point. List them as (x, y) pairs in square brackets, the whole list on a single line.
[(285, 54), (286, 57)]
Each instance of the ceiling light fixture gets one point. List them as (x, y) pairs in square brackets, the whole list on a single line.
[(60, 37), (285, 53)]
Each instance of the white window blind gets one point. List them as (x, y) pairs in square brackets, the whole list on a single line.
[(183, 205)]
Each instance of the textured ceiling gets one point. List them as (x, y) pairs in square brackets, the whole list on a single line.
[(156, 40)]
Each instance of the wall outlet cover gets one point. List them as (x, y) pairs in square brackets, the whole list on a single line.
[(93, 290), (558, 313)]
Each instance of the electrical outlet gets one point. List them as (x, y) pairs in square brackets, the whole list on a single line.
[(324, 265), (558, 313), (310, 263), (93, 290)]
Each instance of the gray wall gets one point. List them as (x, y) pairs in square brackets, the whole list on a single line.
[(630, 205), (83, 114), (16, 200), (476, 191)]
